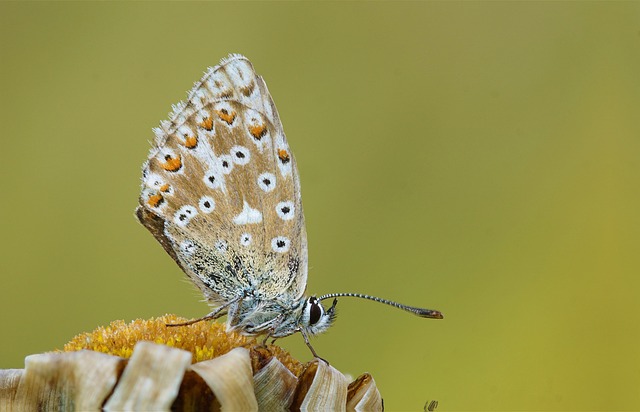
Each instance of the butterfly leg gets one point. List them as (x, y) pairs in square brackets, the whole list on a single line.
[(215, 314), (273, 326), (306, 340)]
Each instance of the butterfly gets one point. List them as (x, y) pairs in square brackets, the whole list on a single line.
[(221, 194)]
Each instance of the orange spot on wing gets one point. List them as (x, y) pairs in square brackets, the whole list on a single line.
[(165, 187), (283, 155), (226, 116), (155, 200), (207, 124), (190, 142), (258, 131), (172, 164)]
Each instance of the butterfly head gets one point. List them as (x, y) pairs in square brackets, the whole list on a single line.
[(315, 319)]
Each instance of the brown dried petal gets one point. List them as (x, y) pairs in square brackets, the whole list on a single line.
[(274, 386), (151, 379), (320, 387), (231, 379), (363, 395)]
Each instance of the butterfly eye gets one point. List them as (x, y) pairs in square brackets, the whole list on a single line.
[(315, 311)]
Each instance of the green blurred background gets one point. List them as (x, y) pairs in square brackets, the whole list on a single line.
[(476, 158)]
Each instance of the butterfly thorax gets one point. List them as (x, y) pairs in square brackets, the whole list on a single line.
[(278, 318), (254, 315)]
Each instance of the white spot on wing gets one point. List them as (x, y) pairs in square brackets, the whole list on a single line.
[(240, 73), (240, 155), (280, 244), (207, 204), (226, 164), (184, 215), (218, 84), (248, 215), (245, 239), (285, 210), (267, 181), (153, 181), (213, 180)]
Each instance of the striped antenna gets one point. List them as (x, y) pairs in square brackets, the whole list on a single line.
[(423, 313)]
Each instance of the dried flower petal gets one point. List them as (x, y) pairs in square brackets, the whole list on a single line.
[(242, 376)]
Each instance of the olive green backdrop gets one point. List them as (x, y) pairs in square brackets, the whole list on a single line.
[(476, 158)]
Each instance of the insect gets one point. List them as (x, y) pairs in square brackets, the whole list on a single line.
[(221, 193)]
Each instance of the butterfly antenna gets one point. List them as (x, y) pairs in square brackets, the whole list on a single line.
[(423, 313)]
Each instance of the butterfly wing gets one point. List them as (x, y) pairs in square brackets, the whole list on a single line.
[(221, 192)]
